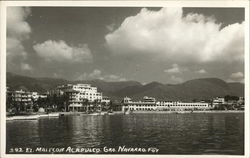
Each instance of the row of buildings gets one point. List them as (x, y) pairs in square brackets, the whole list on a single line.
[(150, 104), (24, 97), (79, 97)]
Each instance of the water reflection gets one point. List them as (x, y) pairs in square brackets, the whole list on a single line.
[(171, 133), (23, 131)]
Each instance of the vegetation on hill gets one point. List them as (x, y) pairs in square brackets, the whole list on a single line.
[(198, 89)]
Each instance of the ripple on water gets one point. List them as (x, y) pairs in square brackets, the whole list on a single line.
[(218, 133)]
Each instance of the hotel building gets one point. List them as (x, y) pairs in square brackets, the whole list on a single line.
[(24, 97), (150, 104), (20, 98), (79, 95)]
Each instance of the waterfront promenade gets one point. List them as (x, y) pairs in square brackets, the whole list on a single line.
[(61, 114)]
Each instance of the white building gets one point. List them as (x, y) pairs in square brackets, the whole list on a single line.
[(105, 99), (22, 97), (218, 101), (86, 92), (150, 104), (79, 94), (35, 95)]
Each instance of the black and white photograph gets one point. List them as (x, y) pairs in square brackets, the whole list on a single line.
[(125, 80)]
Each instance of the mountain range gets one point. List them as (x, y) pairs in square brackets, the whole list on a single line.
[(204, 88)]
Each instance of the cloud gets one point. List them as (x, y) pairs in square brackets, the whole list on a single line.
[(236, 77), (201, 71), (115, 78), (15, 49), (17, 27), (97, 74), (110, 27), (167, 35), (175, 69), (18, 30), (60, 51)]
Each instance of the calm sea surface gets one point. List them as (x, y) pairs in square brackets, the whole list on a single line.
[(210, 133)]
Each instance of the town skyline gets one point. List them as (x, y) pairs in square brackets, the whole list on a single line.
[(126, 44)]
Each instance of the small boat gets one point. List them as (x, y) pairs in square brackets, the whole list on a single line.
[(127, 112)]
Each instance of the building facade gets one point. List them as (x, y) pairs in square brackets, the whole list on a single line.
[(21, 96), (150, 104), (21, 100), (80, 96)]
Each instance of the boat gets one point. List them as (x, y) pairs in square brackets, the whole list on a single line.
[(127, 112)]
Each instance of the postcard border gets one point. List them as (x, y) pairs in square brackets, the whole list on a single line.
[(224, 4)]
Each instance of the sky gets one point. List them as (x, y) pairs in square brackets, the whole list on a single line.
[(167, 45)]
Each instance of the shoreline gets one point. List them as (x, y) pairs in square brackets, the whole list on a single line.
[(60, 114), (188, 112)]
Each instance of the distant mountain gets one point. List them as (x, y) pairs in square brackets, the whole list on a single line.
[(110, 88), (16, 82), (41, 85), (205, 88), (236, 88)]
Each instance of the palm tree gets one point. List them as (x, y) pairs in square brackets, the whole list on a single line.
[(9, 103), (85, 103), (98, 105)]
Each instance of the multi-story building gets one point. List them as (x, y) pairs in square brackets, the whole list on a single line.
[(80, 95), (22, 96), (241, 103), (20, 99), (150, 104), (59, 90), (218, 101), (105, 100)]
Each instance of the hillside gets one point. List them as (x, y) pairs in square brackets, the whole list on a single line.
[(205, 88), (194, 89), (42, 85)]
